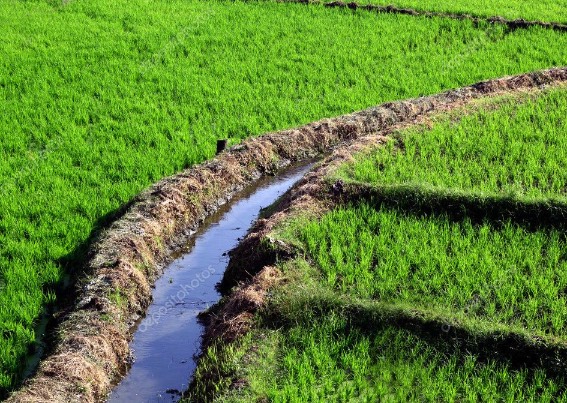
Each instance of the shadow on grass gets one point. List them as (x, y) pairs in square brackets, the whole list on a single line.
[(515, 350), (424, 201)]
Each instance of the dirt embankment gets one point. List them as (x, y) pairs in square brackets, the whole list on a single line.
[(390, 9), (92, 349)]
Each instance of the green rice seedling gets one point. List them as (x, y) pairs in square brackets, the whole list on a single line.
[(329, 359), (516, 151), (502, 273)]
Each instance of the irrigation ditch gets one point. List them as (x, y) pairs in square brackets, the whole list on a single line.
[(92, 353), (167, 340)]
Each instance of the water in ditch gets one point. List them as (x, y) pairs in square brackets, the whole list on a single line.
[(167, 340)]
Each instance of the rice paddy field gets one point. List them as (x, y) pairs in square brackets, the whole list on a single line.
[(327, 358), (100, 99), (506, 275), (386, 302), (516, 151)]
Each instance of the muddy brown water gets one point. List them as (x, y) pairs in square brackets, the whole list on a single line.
[(167, 341)]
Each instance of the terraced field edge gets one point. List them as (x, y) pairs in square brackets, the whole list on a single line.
[(519, 23), (92, 351)]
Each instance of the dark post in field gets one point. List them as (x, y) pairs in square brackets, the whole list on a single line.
[(221, 145)]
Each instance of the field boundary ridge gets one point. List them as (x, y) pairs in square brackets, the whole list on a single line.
[(514, 24)]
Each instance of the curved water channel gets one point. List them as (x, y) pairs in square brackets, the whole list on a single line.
[(167, 341)]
